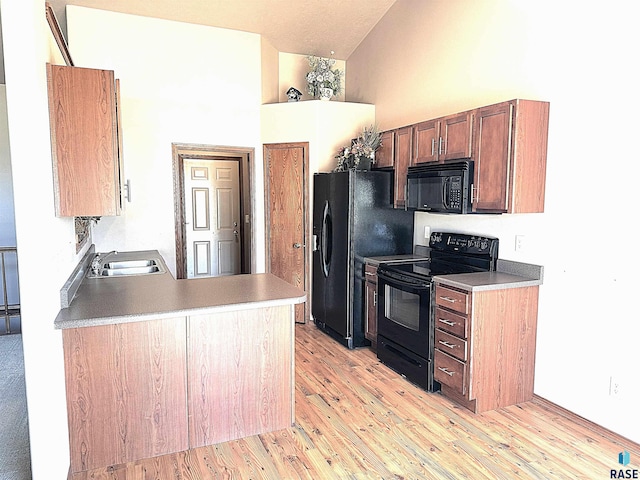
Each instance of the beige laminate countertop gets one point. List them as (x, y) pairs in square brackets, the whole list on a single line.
[(486, 281), (105, 301)]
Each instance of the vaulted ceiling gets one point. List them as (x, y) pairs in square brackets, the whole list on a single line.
[(294, 26), (306, 27)]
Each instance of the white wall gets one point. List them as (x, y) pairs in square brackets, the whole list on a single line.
[(179, 83), (461, 54), (45, 243), (327, 126)]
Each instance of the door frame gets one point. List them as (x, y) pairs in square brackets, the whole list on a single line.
[(306, 216), (246, 157)]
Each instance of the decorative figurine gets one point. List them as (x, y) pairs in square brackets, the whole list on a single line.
[(293, 94)]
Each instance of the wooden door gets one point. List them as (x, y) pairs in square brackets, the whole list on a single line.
[(286, 206), (212, 217)]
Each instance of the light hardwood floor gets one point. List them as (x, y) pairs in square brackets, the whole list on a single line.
[(357, 419)]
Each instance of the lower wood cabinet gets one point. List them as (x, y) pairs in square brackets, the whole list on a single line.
[(371, 304), (126, 391), (152, 387), (485, 345)]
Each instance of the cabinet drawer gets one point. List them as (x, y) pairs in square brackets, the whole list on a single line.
[(452, 323), (451, 372), (451, 345), (371, 272), (453, 299)]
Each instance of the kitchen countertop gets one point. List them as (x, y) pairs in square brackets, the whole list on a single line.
[(509, 274), (419, 252), (103, 301), (392, 258)]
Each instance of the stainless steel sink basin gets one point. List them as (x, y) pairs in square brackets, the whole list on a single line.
[(123, 271), (104, 265), (130, 264)]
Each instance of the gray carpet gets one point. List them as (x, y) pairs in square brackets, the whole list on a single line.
[(15, 459)]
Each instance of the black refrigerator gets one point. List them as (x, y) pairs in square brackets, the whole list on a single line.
[(353, 218)]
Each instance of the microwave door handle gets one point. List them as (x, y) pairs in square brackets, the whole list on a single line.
[(445, 192)]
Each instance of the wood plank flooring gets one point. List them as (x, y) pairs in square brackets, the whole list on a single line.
[(357, 419)]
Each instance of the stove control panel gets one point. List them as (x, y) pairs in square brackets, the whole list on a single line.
[(464, 243)]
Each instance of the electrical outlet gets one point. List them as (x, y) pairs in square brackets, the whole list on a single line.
[(427, 232), (520, 243), (614, 386)]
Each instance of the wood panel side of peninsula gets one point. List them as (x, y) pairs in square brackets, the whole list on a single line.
[(141, 389)]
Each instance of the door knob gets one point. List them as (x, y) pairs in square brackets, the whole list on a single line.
[(296, 245)]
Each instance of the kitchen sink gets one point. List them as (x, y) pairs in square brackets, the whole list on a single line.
[(123, 271), (130, 264), (104, 265)]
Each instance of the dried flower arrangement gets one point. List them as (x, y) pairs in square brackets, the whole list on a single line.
[(360, 155)]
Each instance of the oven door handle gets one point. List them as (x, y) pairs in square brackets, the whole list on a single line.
[(394, 281)]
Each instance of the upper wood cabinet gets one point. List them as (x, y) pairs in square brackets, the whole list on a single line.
[(426, 140), (395, 152), (384, 153), (86, 148), (446, 138), (509, 153), (402, 159)]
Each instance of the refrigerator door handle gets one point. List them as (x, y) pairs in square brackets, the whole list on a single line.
[(326, 239)]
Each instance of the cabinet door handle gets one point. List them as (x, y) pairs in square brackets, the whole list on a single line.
[(444, 370), (446, 344), (447, 322), (433, 146), (440, 146), (448, 299)]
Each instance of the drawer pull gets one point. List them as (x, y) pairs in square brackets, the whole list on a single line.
[(446, 344), (447, 322), (448, 299), (444, 370), (370, 274)]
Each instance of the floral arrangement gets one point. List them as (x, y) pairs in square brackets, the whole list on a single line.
[(323, 76), (361, 153)]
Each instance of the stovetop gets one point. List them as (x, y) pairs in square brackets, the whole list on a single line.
[(450, 253)]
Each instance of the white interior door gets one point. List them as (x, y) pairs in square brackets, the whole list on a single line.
[(212, 213)]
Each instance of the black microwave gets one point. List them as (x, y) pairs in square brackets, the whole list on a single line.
[(441, 187)]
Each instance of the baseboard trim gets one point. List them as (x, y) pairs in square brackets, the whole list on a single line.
[(610, 435)]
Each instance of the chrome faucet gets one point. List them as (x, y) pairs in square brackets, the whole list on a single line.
[(99, 259)]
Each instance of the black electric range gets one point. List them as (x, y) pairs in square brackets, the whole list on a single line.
[(405, 313)]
